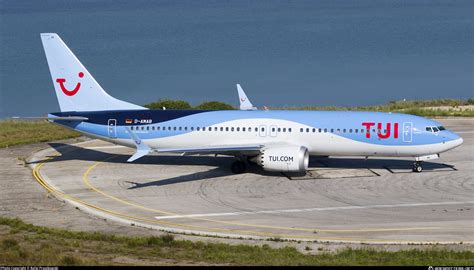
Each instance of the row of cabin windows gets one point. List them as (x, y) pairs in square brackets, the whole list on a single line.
[(249, 129), (243, 129), (338, 130)]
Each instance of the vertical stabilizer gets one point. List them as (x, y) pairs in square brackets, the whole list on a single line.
[(245, 103), (75, 87)]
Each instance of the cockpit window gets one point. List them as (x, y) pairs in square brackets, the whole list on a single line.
[(434, 129)]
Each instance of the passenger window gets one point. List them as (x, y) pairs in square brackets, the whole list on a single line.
[(238, 128), (307, 129), (332, 130), (301, 129), (185, 128), (319, 130), (325, 130), (243, 129), (192, 128), (289, 129), (314, 130), (226, 128), (435, 129), (273, 129), (350, 130), (344, 131), (143, 128), (174, 128), (169, 128), (284, 129), (338, 130), (197, 128), (279, 129), (263, 129), (222, 129)]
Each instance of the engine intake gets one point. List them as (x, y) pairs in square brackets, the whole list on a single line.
[(283, 158)]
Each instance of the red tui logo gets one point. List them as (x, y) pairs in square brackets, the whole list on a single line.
[(70, 93), (387, 130)]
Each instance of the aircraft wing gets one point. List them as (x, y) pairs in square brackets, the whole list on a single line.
[(223, 150), (245, 103)]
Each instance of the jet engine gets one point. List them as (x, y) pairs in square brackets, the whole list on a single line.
[(283, 158)]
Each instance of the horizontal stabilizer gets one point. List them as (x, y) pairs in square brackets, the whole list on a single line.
[(64, 118)]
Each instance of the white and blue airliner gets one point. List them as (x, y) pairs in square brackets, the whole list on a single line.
[(276, 140)]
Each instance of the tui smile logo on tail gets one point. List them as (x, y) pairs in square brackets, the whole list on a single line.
[(70, 93)]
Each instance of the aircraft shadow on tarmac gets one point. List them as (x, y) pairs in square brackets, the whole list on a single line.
[(222, 164)]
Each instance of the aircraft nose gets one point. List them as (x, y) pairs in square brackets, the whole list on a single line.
[(457, 142), (454, 141)]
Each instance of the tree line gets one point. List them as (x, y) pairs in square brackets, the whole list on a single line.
[(184, 105)]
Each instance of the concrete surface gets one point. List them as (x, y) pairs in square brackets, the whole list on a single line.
[(340, 200)]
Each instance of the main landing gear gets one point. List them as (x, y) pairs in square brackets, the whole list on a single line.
[(417, 166), (238, 167)]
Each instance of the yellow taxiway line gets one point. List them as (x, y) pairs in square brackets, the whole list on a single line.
[(237, 233)]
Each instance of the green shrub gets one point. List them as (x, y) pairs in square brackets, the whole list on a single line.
[(214, 105), (169, 104), (9, 243)]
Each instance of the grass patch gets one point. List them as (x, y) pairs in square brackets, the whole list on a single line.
[(34, 245), (14, 132), (431, 108)]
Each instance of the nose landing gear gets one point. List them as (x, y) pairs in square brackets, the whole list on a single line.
[(417, 167)]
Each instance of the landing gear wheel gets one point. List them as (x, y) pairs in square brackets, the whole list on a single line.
[(417, 167), (238, 167)]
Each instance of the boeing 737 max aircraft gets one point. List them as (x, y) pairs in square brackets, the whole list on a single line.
[(276, 140)]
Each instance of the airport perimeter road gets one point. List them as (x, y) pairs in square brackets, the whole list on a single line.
[(339, 200)]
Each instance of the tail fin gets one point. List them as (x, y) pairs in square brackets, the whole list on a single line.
[(75, 87), (245, 103)]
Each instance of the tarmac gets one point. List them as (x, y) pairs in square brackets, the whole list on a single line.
[(339, 200)]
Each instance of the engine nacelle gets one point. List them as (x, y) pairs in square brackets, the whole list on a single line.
[(283, 158)]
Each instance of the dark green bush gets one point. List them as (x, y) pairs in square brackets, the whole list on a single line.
[(214, 105), (169, 104)]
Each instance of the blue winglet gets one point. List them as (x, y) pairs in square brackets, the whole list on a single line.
[(142, 148)]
